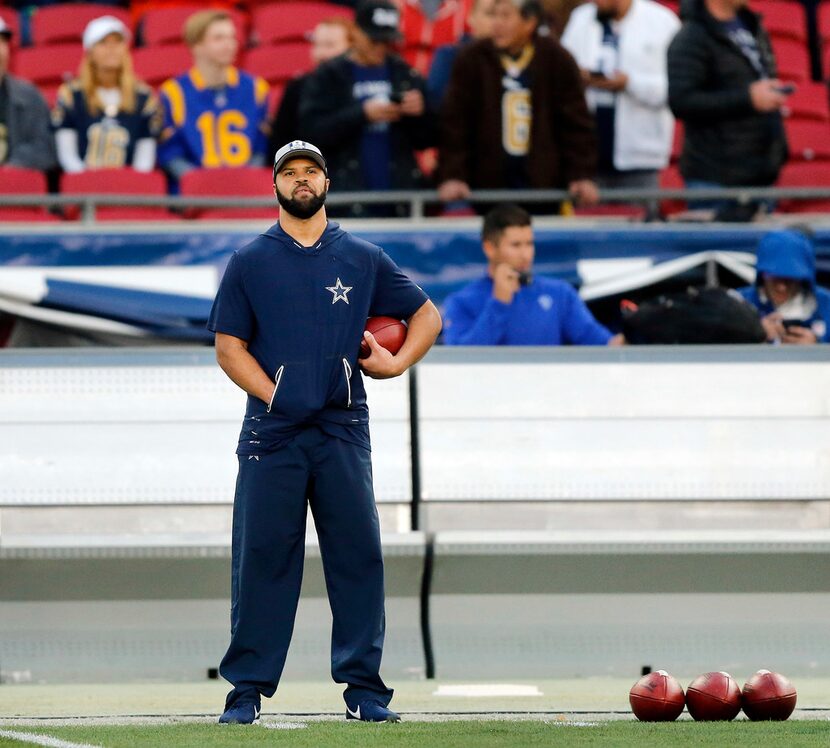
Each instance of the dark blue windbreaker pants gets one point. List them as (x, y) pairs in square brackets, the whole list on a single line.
[(269, 524)]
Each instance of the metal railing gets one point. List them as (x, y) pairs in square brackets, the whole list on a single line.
[(417, 201)]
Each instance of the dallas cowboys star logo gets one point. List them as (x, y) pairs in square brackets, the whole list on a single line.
[(339, 291)]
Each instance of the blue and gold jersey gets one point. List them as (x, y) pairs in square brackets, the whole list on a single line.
[(516, 114), (107, 139), (214, 127)]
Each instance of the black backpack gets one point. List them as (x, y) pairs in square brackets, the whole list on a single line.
[(698, 315)]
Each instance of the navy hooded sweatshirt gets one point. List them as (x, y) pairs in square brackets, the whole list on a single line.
[(302, 311), (789, 254)]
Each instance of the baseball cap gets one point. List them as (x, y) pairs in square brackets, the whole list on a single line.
[(99, 28), (298, 149), (379, 20), (5, 30)]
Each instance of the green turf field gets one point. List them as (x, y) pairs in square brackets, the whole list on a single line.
[(458, 733), (588, 711)]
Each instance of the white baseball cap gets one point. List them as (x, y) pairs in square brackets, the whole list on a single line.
[(5, 30), (99, 28), (298, 149)]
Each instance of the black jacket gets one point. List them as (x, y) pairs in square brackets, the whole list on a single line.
[(726, 140), (332, 119)]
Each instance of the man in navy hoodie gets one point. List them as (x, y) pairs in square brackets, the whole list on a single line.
[(792, 307), (510, 306), (289, 318)]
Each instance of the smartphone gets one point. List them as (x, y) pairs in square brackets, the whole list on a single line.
[(788, 323), (597, 75), (787, 88)]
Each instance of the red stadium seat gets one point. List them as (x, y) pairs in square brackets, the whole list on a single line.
[(50, 93), (808, 140), (65, 22), (50, 68), (154, 65), (119, 182), (810, 101), (823, 19), (166, 25), (243, 182), (278, 63), (793, 60), (15, 181), (291, 21), (671, 179), (805, 174), (9, 15), (783, 19), (677, 142)]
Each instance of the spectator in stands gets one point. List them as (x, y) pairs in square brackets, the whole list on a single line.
[(329, 39), (105, 118), (620, 47), (214, 115), (25, 137), (792, 307), (367, 110), (480, 23), (723, 86), (515, 114), (511, 306)]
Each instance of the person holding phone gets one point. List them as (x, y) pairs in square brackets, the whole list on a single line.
[(367, 108), (724, 86), (620, 47), (793, 309), (512, 306)]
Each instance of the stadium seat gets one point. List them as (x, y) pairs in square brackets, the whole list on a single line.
[(805, 174), (165, 25), (808, 140), (823, 21), (243, 182), (809, 101), (119, 182), (154, 65), (671, 179), (783, 19), (278, 63), (793, 60), (65, 22), (48, 69), (291, 21), (15, 181), (9, 15), (677, 142)]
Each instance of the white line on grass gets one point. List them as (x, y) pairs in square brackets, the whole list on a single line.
[(33, 737), (284, 725)]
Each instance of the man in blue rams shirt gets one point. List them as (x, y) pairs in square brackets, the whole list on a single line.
[(289, 318), (509, 306)]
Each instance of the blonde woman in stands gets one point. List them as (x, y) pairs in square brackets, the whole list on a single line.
[(105, 118)]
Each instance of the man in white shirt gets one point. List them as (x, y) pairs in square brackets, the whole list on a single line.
[(620, 47)]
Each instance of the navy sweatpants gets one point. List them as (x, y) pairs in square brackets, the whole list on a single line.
[(269, 523)]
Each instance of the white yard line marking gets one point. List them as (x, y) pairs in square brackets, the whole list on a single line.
[(284, 725), (33, 737), (483, 690)]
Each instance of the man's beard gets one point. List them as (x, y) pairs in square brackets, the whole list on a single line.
[(302, 209)]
